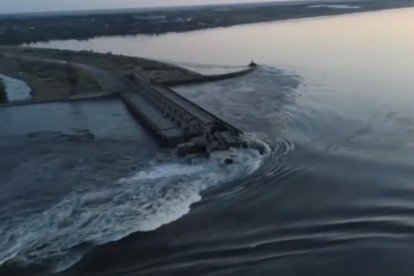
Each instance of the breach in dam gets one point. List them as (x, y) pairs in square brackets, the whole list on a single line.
[(177, 121)]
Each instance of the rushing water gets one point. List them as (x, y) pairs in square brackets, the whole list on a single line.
[(15, 89), (336, 194)]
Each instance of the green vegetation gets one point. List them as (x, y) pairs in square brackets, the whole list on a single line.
[(3, 96), (115, 64), (25, 29), (49, 80), (61, 74)]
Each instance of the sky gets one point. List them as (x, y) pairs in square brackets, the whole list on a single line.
[(23, 6)]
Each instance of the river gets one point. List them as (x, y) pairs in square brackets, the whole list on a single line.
[(334, 196)]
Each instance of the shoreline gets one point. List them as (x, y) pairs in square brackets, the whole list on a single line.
[(55, 75), (32, 29), (63, 75)]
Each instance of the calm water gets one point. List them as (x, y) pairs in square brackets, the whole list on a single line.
[(334, 101)]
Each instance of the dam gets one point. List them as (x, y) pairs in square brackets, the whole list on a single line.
[(176, 121), (145, 86)]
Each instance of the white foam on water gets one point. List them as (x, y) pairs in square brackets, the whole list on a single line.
[(211, 69), (163, 170), (335, 6), (145, 201), (15, 89)]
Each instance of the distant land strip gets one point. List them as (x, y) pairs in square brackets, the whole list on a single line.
[(29, 28)]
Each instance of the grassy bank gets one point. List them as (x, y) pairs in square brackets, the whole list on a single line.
[(49, 81), (116, 65), (61, 74)]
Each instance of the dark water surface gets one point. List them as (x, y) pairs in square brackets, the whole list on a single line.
[(336, 194)]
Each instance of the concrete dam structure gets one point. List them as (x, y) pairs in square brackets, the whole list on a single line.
[(144, 85), (175, 120)]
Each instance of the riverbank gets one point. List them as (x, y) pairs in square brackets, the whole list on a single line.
[(49, 80), (55, 75), (27, 28)]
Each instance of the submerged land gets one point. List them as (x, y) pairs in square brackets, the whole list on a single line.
[(27, 28)]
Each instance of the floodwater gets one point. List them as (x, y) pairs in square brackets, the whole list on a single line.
[(333, 196)]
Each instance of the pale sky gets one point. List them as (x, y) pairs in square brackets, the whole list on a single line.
[(17, 6)]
